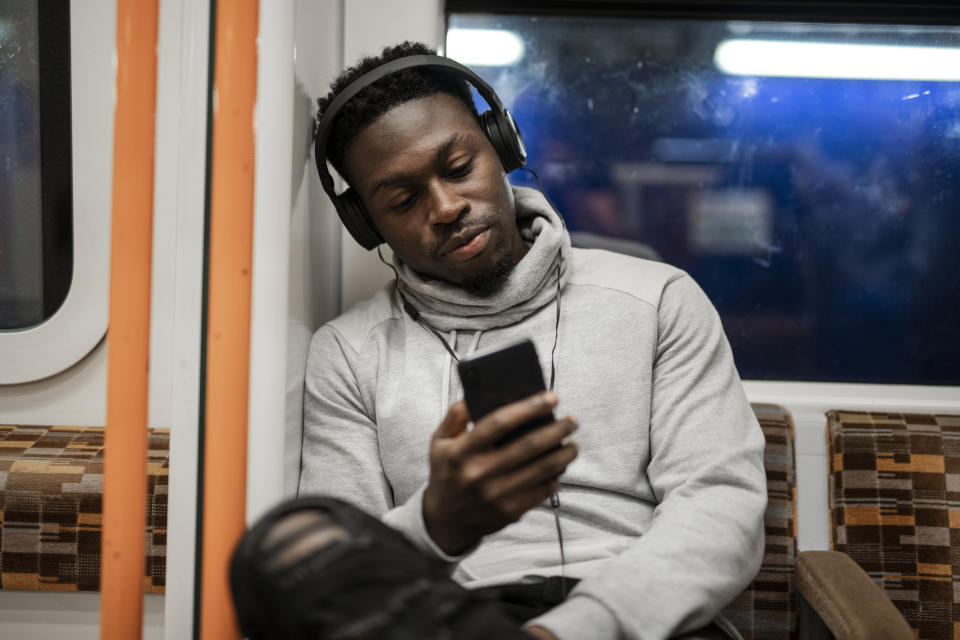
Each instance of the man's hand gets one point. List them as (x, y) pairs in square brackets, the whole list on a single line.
[(540, 633), (476, 488)]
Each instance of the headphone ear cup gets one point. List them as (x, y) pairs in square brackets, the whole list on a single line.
[(356, 219), (505, 137)]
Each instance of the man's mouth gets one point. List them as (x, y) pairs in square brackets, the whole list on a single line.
[(467, 244)]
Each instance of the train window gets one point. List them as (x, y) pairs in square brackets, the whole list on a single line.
[(806, 175), (36, 228)]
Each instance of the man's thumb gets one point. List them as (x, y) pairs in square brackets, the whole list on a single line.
[(455, 422)]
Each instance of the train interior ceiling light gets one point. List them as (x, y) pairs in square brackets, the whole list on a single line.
[(484, 47), (834, 60)]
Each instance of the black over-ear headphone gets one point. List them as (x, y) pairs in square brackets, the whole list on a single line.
[(497, 123)]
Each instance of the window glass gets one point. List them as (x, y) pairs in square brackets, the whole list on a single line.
[(804, 174), (35, 227), (21, 255)]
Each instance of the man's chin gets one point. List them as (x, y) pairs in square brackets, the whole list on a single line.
[(492, 280)]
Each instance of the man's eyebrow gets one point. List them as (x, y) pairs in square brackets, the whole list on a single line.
[(441, 155), (444, 150)]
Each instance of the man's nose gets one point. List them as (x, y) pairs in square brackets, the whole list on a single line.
[(446, 204)]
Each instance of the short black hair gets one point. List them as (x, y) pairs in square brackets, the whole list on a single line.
[(384, 94)]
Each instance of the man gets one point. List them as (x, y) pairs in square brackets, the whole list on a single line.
[(662, 494)]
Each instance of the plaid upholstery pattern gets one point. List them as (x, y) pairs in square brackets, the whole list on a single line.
[(767, 609), (895, 509), (51, 481)]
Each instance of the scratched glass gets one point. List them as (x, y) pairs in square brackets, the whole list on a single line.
[(805, 175), (21, 254), (36, 204)]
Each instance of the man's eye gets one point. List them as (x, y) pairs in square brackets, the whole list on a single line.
[(460, 170), (403, 204)]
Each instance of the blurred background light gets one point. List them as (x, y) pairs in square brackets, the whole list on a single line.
[(829, 60), (484, 47)]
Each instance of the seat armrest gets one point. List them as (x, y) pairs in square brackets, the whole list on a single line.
[(846, 599)]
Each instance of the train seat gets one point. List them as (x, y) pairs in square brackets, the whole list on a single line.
[(894, 488), (768, 608), (51, 485), (812, 594)]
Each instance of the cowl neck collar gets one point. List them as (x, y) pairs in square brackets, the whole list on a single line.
[(530, 286)]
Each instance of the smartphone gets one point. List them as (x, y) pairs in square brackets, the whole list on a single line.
[(502, 377)]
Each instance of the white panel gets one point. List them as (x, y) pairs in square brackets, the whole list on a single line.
[(78, 326), (314, 280), (813, 518), (76, 397), (865, 397), (180, 184), (370, 25), (274, 129), (32, 615), (163, 266)]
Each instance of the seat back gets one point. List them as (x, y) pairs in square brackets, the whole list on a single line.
[(895, 509), (768, 608), (51, 486)]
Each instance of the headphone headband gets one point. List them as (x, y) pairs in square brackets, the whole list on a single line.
[(325, 126), (497, 123)]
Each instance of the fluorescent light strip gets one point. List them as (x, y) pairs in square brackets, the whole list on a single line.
[(830, 60), (484, 47)]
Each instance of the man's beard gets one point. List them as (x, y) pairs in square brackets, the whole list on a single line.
[(491, 282)]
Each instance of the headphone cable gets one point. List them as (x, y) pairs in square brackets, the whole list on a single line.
[(412, 310)]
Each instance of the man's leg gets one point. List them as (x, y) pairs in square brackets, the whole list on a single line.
[(535, 595), (319, 568)]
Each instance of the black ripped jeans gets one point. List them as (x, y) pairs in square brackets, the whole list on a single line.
[(317, 567)]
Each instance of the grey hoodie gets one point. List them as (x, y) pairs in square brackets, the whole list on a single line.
[(662, 511)]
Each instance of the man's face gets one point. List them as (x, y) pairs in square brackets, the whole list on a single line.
[(436, 192)]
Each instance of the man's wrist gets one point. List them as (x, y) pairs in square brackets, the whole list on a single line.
[(440, 534)]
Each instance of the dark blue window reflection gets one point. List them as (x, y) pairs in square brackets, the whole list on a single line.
[(820, 215), (36, 201)]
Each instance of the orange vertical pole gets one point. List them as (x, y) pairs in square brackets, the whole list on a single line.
[(128, 338), (228, 319)]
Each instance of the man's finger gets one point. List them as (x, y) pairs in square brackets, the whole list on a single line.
[(497, 424), (454, 423), (535, 444), (523, 501), (541, 471)]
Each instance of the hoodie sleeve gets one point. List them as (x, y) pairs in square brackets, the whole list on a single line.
[(341, 452), (706, 540)]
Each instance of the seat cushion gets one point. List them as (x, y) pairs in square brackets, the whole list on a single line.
[(895, 509), (767, 609), (51, 484)]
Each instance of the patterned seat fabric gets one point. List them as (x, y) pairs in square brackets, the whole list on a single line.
[(767, 609), (895, 509), (51, 481)]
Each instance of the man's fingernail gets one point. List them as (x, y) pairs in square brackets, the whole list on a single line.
[(550, 397)]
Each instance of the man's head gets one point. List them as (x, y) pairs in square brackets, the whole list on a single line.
[(415, 154)]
